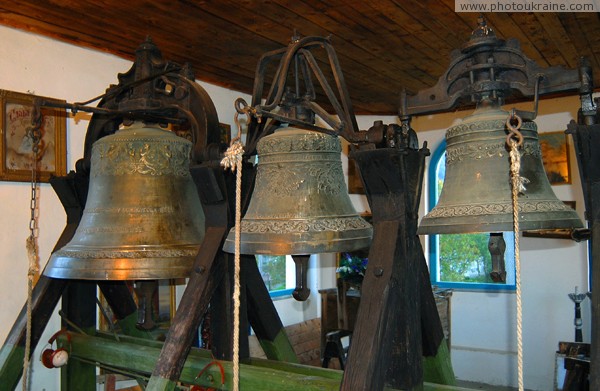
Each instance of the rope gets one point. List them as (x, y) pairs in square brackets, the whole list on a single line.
[(233, 161), (518, 187), (34, 134)]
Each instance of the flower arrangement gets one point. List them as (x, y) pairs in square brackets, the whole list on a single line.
[(352, 268)]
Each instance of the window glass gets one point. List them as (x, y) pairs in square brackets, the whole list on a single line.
[(278, 273), (463, 260)]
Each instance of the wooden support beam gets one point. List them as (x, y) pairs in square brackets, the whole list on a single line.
[(586, 140), (438, 369), (389, 334), (79, 308), (201, 284)]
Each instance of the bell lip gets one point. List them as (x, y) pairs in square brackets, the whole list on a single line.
[(278, 244), (70, 262), (113, 275), (439, 226)]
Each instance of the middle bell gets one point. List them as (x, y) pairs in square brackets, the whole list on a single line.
[(300, 203)]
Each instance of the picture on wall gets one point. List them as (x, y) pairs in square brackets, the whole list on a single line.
[(555, 156), (17, 143)]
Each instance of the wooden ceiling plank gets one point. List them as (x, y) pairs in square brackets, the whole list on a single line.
[(365, 89), (508, 27), (440, 18), (589, 22), (372, 88), (529, 24), (393, 17), (387, 40), (558, 36), (580, 40), (347, 52)]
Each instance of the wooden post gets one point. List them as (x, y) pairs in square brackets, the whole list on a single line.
[(586, 141), (221, 305), (79, 308), (387, 347)]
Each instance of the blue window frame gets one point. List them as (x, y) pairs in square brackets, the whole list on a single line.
[(462, 261)]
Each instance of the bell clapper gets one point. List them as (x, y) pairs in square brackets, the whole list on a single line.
[(145, 291), (301, 292), (497, 245)]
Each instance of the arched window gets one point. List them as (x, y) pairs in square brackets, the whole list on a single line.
[(463, 261)]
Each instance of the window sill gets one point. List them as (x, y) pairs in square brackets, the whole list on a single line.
[(281, 294), (475, 287)]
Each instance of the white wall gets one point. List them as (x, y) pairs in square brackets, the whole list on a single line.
[(483, 323)]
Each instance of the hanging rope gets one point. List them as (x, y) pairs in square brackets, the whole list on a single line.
[(233, 161), (35, 135), (514, 141)]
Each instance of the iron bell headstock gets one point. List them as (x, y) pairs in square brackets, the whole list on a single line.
[(291, 98), (487, 67), (155, 91)]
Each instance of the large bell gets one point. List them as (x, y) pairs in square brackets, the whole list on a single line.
[(300, 203), (477, 193), (143, 218)]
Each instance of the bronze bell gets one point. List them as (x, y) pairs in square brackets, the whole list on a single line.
[(143, 218), (477, 192), (300, 204)]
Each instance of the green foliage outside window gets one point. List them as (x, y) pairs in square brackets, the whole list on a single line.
[(465, 258), (272, 269)]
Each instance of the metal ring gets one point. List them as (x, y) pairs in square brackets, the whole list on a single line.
[(241, 106)]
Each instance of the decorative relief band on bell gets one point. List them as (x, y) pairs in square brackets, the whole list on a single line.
[(305, 156), (137, 254), (482, 150), (317, 225), (308, 141), (497, 208), (144, 157), (132, 209), (486, 125), (287, 180), (112, 230)]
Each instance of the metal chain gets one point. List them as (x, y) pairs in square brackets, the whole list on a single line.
[(34, 133)]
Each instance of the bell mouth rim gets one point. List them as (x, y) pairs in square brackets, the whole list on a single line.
[(465, 224), (119, 268), (299, 242)]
